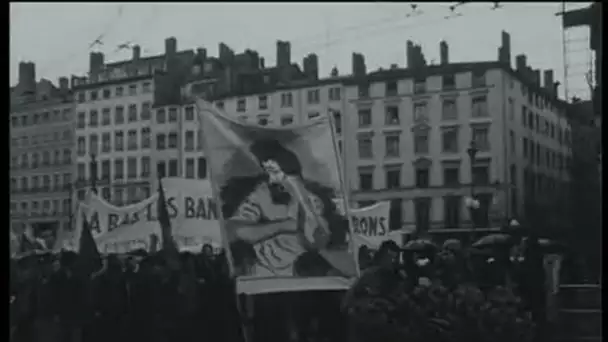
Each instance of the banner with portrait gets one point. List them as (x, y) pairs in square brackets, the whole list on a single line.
[(191, 207), (275, 187)]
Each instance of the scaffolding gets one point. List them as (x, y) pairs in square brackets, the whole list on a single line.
[(578, 57)]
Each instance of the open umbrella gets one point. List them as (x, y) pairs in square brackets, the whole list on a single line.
[(549, 246), (420, 245), (493, 240)]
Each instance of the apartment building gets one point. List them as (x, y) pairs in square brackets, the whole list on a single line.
[(115, 124), (409, 131), (41, 160)]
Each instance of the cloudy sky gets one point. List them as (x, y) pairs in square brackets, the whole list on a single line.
[(57, 36)]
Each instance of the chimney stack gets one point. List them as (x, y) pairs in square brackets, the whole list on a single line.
[(536, 77), (359, 68), (96, 63), (311, 66), (520, 63), (262, 63), (548, 80), (443, 53), (64, 83), (136, 52), (409, 54), (170, 46), (27, 77), (505, 49), (201, 53), (283, 53)]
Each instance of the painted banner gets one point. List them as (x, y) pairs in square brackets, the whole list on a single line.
[(121, 229), (370, 225), (275, 186)]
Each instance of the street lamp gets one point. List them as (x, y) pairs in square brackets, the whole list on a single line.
[(471, 202)]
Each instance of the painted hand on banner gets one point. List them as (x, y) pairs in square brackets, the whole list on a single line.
[(310, 227)]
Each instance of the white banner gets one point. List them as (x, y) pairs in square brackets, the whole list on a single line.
[(121, 229), (371, 225)]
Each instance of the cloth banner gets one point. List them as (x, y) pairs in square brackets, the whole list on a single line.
[(122, 229), (275, 187)]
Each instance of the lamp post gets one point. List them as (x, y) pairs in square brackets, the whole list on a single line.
[(472, 203), (93, 170)]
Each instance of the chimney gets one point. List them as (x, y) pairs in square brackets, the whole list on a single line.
[(96, 62), (136, 52), (536, 77), (443, 53), (359, 68), (283, 53), (520, 63), (555, 88), (27, 77), (334, 72), (170, 46), (311, 66), (409, 54), (505, 50), (262, 61), (201, 53), (226, 54), (64, 83), (419, 60), (548, 80)]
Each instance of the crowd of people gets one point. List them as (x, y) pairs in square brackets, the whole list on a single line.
[(140, 297)]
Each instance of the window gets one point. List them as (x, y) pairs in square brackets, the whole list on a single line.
[(525, 147), (46, 158), (366, 180), (422, 177), (173, 168), (478, 78), (532, 147), (132, 113), (145, 111), (145, 137), (219, 104), (132, 140), (422, 208), (67, 156), (105, 169), (449, 110), (118, 196), (189, 141), (512, 141), (365, 148), (480, 106), (189, 113), (337, 121), (241, 105), (552, 131), (36, 184), (161, 142), (119, 117), (482, 217), (313, 115), (391, 116), (393, 178), (24, 184), (334, 94), (146, 87), (105, 117), (449, 138), (132, 167), (286, 100), (81, 97), (313, 96), (119, 91), (481, 175), (94, 119), (480, 136), (133, 89), (286, 120), (420, 112), (537, 122), (119, 169), (145, 166), (451, 175), (511, 109), (531, 120), (119, 141), (421, 143), (132, 194), (82, 147), (263, 102), (363, 90), (202, 168), (161, 115), (365, 117), (35, 160), (420, 85), (106, 94), (82, 120), (452, 205), (93, 95), (392, 146), (199, 140), (396, 214), (81, 170), (172, 114), (106, 143), (391, 88), (538, 154), (173, 140), (449, 82), (190, 168), (263, 119)]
